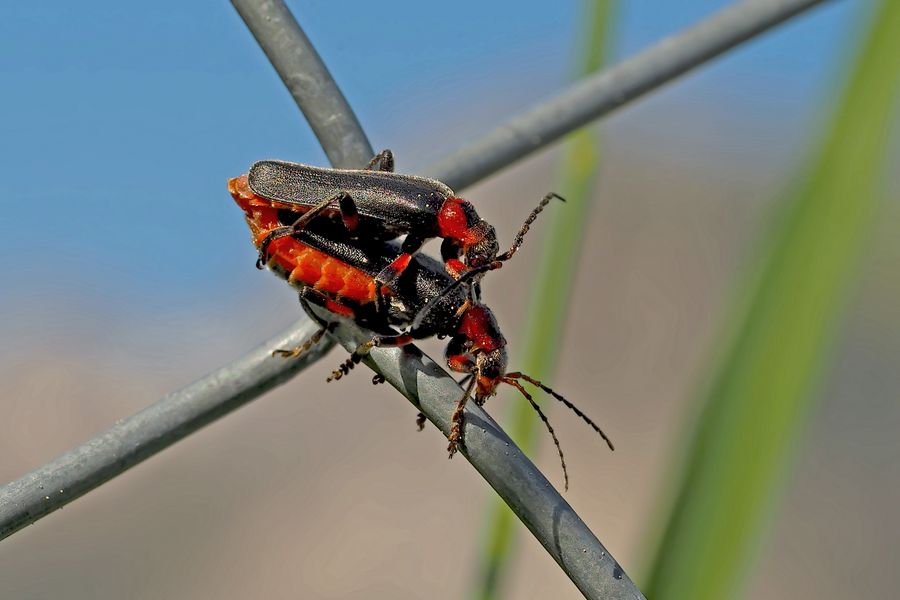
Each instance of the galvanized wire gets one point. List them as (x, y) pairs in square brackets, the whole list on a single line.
[(505, 467), (308, 80), (600, 94), (421, 380), (158, 426), (180, 413)]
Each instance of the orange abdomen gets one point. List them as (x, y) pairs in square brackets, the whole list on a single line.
[(301, 264)]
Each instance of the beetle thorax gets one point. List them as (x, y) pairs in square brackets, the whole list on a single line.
[(457, 220)]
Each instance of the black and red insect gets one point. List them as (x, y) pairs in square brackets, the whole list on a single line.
[(375, 203), (340, 275)]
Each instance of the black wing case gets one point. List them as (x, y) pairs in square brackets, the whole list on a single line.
[(422, 280), (401, 203)]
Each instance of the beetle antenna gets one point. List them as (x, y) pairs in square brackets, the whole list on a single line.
[(546, 421), (574, 408), (520, 237), (498, 262), (494, 264)]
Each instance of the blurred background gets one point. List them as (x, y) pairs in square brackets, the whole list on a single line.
[(128, 273)]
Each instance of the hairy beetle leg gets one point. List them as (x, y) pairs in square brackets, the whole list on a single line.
[(383, 161), (401, 339), (302, 348), (457, 421), (347, 206)]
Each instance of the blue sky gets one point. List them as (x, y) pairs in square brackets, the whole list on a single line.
[(122, 121)]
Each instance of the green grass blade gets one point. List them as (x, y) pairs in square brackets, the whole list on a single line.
[(549, 302), (761, 395)]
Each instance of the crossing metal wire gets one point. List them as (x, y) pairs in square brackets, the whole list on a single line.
[(536, 502)]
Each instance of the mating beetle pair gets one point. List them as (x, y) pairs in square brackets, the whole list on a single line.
[(347, 266), (377, 204)]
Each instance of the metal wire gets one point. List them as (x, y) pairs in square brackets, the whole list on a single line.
[(504, 466), (158, 426), (493, 454), (179, 414), (308, 80), (600, 94)]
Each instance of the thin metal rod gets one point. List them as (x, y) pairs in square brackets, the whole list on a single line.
[(600, 94), (503, 465), (308, 80), (155, 428), (179, 414)]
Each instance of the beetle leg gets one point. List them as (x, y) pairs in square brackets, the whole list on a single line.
[(475, 291), (276, 233), (390, 340), (421, 418), (379, 341), (302, 348), (459, 360), (466, 379), (456, 428), (387, 278), (383, 161), (450, 253), (450, 249), (308, 295), (304, 219), (349, 214), (346, 204)]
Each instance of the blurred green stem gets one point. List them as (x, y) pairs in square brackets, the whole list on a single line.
[(549, 301), (760, 397)]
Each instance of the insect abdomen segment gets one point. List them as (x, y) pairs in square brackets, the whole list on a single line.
[(301, 265)]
